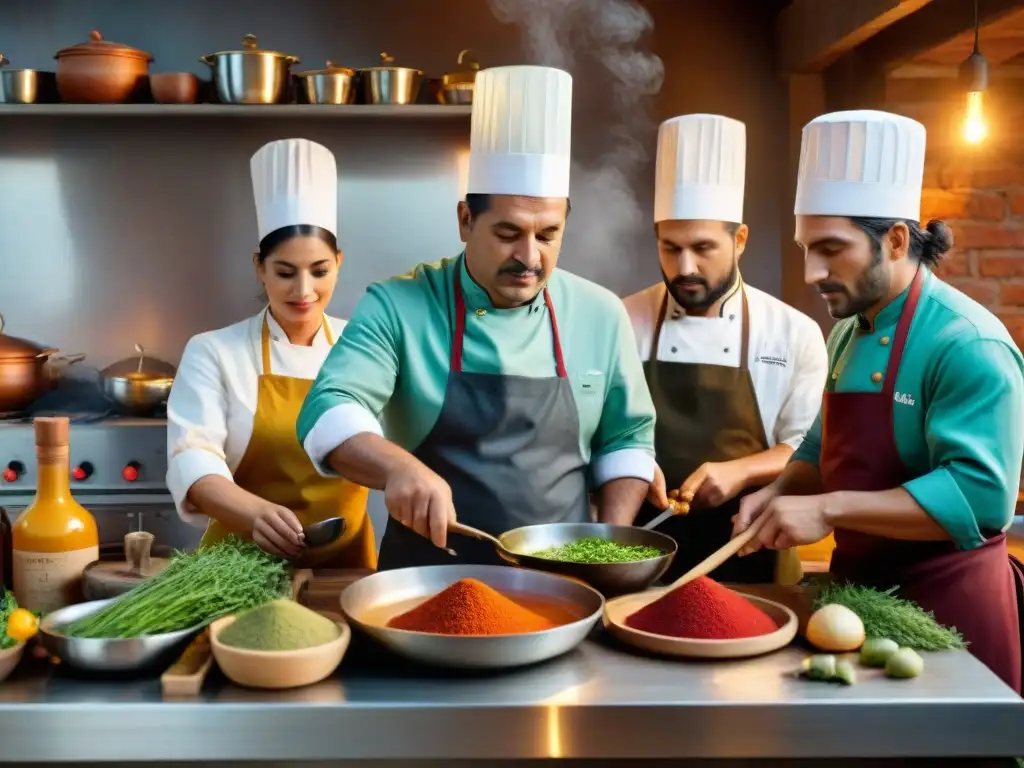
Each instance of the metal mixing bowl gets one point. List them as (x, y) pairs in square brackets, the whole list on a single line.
[(610, 579), (109, 655), (363, 601)]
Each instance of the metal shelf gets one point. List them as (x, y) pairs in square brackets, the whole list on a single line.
[(420, 111)]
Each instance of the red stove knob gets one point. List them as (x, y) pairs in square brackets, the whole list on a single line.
[(13, 471), (82, 472), (131, 471)]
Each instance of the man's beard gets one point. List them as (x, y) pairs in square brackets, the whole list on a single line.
[(872, 286), (700, 301)]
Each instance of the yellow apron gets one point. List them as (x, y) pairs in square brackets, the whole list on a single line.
[(275, 467)]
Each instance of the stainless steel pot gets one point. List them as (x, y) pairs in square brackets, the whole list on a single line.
[(391, 85), (331, 85), (26, 371), (25, 86), (251, 75), (138, 386), (458, 87)]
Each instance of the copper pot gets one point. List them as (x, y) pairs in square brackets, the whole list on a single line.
[(26, 371), (100, 72)]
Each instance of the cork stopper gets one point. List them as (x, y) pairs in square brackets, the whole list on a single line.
[(52, 431)]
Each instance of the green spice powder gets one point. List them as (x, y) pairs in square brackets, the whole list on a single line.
[(594, 550), (281, 625)]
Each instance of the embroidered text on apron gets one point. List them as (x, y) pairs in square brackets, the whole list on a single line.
[(276, 468), (705, 413), (509, 448), (974, 590)]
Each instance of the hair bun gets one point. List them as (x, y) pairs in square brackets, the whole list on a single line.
[(940, 239)]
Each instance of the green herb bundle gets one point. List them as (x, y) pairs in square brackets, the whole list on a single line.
[(195, 588), (885, 615), (8, 605), (595, 550)]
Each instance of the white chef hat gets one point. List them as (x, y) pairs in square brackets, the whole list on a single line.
[(861, 163), (295, 181), (700, 169), (520, 132)]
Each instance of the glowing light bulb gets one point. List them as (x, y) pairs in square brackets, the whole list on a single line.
[(975, 128)]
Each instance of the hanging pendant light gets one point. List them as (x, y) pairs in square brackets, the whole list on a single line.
[(974, 79)]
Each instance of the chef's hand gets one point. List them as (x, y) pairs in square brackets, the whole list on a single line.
[(657, 495), (713, 484), (278, 531), (417, 497), (792, 522)]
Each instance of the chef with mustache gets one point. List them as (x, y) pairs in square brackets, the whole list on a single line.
[(736, 375), (492, 385), (914, 461)]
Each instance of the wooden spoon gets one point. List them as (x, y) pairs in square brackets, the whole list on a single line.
[(476, 533)]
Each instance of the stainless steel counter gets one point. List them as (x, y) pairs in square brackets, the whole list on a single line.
[(595, 702)]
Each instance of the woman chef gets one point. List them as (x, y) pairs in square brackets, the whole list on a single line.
[(235, 464), (915, 458)]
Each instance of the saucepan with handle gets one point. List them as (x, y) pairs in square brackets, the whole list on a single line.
[(139, 386), (520, 545)]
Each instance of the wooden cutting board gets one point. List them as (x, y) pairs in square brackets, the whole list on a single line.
[(320, 589)]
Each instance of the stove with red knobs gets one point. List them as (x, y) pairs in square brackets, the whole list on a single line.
[(118, 472)]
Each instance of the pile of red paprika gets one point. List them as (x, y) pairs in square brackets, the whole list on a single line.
[(702, 610)]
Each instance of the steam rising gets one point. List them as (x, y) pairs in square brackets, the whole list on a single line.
[(600, 43)]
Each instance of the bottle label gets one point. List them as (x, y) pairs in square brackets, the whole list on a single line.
[(46, 581)]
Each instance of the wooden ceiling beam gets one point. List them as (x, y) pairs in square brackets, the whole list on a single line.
[(932, 26), (811, 34)]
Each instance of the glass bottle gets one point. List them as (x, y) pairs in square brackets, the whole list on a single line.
[(55, 537)]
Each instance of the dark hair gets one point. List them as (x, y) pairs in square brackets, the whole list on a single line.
[(479, 203), (278, 236), (927, 245), (732, 227)]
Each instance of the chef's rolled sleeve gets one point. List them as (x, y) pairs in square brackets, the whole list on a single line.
[(355, 383), (196, 426), (803, 401), (623, 444), (974, 414)]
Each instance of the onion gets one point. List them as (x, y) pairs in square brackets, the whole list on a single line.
[(836, 629)]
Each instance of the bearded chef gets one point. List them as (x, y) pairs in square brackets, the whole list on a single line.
[(507, 388), (736, 375), (915, 459), (235, 465)]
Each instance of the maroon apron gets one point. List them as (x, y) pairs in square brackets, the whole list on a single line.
[(977, 590)]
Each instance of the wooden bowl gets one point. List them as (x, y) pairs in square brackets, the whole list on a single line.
[(278, 669), (617, 611), (9, 659), (174, 87)]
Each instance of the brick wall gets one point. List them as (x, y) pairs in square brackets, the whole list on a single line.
[(979, 192)]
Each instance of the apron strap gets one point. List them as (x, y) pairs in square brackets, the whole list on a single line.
[(744, 331), (265, 340), (460, 329), (902, 331)]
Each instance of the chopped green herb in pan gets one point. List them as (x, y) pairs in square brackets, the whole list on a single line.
[(594, 550)]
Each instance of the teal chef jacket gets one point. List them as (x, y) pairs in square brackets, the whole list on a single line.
[(958, 408), (387, 373)]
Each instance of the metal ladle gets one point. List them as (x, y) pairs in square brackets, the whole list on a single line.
[(323, 533)]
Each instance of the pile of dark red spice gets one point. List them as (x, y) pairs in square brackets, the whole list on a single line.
[(703, 610)]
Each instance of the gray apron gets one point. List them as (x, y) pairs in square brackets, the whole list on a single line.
[(508, 446), (706, 413)]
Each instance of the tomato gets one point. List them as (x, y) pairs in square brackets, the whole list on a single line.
[(22, 625)]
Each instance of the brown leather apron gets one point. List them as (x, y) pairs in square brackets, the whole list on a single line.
[(705, 413), (508, 446), (976, 590)]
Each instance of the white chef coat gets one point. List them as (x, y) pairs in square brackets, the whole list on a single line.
[(212, 404), (787, 358)]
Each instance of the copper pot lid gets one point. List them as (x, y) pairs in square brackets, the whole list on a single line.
[(466, 77), (13, 348), (249, 46), (387, 61), (97, 46), (330, 69)]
